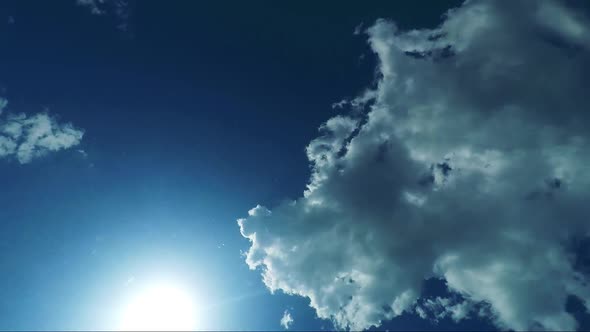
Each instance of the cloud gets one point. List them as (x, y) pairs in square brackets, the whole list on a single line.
[(29, 137), (286, 320), (117, 8), (470, 165), (3, 104), (95, 6), (439, 308), (358, 29)]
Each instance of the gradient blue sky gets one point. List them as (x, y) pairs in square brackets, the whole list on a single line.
[(201, 111), (193, 113)]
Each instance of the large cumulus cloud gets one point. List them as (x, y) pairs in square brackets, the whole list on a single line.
[(470, 165), (27, 137)]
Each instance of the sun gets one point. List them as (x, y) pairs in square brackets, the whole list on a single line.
[(160, 307)]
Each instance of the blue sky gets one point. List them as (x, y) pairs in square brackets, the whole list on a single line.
[(162, 123)]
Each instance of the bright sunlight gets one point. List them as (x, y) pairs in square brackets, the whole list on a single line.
[(160, 307)]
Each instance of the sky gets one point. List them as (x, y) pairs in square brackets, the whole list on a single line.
[(379, 165)]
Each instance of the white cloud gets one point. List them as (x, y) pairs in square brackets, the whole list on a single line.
[(470, 165), (286, 320), (28, 137), (439, 308)]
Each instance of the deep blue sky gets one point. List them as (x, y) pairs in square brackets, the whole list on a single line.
[(195, 114)]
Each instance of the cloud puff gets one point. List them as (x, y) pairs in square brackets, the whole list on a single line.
[(95, 6), (118, 8), (470, 166), (3, 104), (439, 308), (28, 137), (286, 320)]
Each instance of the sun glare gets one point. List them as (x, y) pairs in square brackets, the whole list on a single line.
[(160, 307)]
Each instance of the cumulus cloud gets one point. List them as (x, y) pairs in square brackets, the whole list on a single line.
[(470, 165), (28, 137), (286, 320)]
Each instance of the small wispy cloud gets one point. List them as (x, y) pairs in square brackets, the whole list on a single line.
[(3, 104), (95, 6), (358, 29), (119, 9), (287, 320), (28, 137)]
